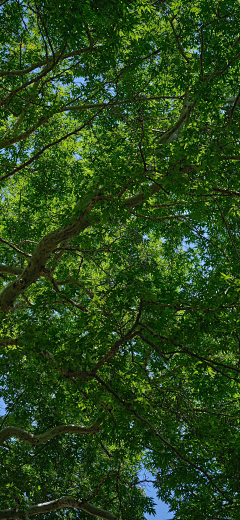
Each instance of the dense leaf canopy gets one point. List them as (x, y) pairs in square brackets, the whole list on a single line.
[(119, 251)]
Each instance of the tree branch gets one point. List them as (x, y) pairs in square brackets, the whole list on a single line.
[(35, 440), (4, 342), (172, 134), (42, 62), (180, 48), (87, 106), (49, 242), (53, 143), (10, 244), (159, 436), (10, 269), (53, 505), (43, 251)]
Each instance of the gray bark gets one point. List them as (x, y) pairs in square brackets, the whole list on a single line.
[(53, 505)]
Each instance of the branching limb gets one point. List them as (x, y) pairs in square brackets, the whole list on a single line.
[(227, 227), (10, 244), (230, 193), (73, 303), (236, 101), (50, 145), (180, 47), (66, 108), (54, 505), (113, 351)]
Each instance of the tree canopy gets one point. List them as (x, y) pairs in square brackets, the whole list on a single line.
[(119, 251)]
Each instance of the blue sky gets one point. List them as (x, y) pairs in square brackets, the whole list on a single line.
[(162, 512), (2, 407)]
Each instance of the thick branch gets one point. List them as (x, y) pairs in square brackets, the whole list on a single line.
[(135, 200), (43, 251), (173, 132), (180, 47), (11, 269), (49, 242), (34, 440), (111, 353), (53, 505)]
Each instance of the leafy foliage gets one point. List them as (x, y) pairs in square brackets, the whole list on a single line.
[(119, 257)]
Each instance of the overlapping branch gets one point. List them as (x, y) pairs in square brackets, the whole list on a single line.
[(71, 108), (158, 435)]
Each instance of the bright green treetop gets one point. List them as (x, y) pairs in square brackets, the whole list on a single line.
[(119, 251)]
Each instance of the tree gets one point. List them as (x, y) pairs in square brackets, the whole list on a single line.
[(119, 258)]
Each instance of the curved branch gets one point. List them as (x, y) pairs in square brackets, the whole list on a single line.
[(111, 353), (227, 227), (35, 440), (172, 134), (53, 505), (133, 201)]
